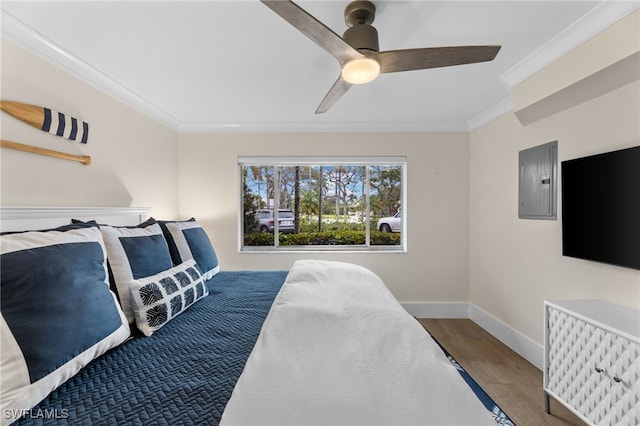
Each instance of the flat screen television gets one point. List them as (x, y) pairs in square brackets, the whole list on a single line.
[(601, 207)]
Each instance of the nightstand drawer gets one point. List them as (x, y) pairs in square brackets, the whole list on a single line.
[(591, 368)]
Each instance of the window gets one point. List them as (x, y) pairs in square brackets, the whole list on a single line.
[(320, 203)]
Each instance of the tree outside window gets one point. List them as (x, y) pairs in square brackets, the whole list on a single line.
[(296, 204)]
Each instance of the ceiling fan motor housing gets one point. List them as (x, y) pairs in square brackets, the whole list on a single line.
[(359, 15), (362, 36)]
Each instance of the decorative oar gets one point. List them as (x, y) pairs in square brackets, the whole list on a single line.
[(84, 159), (48, 120)]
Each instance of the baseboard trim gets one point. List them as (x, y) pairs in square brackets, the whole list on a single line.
[(518, 342), (437, 309), (521, 344)]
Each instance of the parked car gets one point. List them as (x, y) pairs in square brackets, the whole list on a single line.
[(391, 223), (265, 221)]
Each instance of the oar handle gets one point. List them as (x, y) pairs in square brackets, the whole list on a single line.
[(84, 159)]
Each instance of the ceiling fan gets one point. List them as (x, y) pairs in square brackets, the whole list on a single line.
[(358, 53)]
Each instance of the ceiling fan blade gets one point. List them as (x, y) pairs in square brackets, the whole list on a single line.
[(433, 57), (338, 89), (314, 29)]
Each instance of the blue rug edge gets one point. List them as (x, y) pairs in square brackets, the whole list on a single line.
[(498, 414)]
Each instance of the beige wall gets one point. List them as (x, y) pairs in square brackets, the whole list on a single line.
[(133, 157), (435, 268), (515, 263)]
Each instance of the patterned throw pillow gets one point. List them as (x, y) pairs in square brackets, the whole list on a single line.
[(160, 298)]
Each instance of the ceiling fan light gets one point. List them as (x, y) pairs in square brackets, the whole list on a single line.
[(360, 71)]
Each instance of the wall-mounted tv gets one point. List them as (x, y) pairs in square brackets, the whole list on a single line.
[(601, 207)]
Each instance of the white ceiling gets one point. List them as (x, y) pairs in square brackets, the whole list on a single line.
[(237, 66)]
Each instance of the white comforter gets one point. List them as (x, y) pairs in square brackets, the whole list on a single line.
[(338, 349)]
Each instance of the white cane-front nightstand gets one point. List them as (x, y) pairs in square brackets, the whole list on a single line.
[(592, 360)]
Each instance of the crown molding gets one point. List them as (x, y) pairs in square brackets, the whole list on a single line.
[(333, 127), (24, 36), (596, 20), (503, 107)]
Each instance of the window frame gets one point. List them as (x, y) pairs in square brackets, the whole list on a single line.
[(367, 161)]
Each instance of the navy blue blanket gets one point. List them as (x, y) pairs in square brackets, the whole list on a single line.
[(183, 374)]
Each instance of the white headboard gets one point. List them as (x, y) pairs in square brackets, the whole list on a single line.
[(22, 218)]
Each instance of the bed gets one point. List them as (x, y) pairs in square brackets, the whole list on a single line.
[(323, 343)]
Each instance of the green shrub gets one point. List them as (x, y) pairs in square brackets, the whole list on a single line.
[(340, 237), (258, 239), (326, 238), (385, 238)]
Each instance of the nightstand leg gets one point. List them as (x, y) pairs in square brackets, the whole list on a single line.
[(547, 408)]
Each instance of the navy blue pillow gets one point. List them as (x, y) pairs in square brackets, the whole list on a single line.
[(65, 282), (173, 250), (58, 308), (147, 254), (188, 240), (201, 248), (134, 253)]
